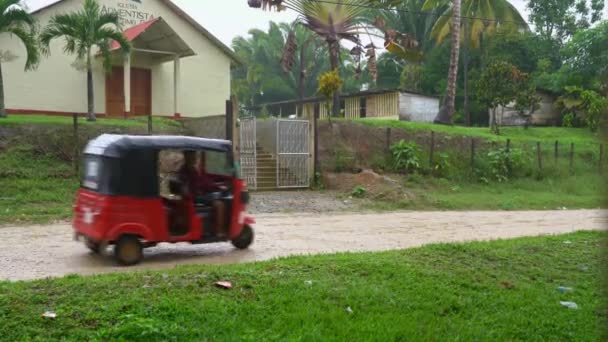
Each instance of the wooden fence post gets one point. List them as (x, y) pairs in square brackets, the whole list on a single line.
[(150, 124), (472, 153), (432, 154), (508, 150), (540, 155), (556, 151), (76, 151), (572, 157), (601, 159), (388, 141)]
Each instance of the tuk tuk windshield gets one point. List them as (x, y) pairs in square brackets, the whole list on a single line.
[(219, 163), (91, 172), (97, 173)]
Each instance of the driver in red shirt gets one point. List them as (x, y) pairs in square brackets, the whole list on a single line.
[(200, 183), (206, 184), (188, 174)]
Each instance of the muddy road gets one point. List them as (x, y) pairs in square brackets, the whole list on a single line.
[(36, 252)]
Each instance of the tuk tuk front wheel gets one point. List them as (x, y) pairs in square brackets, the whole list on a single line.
[(128, 250), (244, 240)]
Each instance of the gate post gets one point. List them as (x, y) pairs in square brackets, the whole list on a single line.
[(312, 143), (229, 117), (234, 129)]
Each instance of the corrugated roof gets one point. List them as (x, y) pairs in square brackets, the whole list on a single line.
[(342, 96)]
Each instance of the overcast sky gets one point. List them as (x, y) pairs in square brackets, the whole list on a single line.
[(227, 19)]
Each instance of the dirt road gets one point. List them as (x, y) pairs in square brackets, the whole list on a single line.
[(48, 251)]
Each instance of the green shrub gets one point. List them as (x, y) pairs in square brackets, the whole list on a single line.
[(359, 192), (442, 166), (502, 165), (569, 120), (406, 156)]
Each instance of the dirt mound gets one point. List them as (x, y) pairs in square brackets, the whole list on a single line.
[(375, 185)]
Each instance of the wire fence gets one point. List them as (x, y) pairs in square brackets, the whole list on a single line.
[(347, 146)]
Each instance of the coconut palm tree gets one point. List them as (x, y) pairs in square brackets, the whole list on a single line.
[(267, 76), (482, 17), (87, 31), (16, 21), (446, 112), (263, 71), (404, 16)]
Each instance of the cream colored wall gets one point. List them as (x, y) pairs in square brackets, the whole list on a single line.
[(353, 108), (205, 78), (57, 86), (382, 105)]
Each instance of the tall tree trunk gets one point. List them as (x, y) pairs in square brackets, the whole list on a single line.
[(493, 125), (446, 113), (90, 91), (334, 50), (465, 60), (302, 77), (467, 112), (301, 103), (2, 108), (482, 49)]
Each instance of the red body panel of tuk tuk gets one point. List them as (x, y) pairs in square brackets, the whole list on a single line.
[(104, 219)]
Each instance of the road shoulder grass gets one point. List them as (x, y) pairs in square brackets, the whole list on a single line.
[(427, 193), (504, 290)]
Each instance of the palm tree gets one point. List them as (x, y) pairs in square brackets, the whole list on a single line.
[(263, 71), (332, 21), (404, 16), (84, 31), (446, 112), (495, 13), (267, 76), (15, 20)]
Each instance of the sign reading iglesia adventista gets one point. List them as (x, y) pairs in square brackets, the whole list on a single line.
[(131, 12)]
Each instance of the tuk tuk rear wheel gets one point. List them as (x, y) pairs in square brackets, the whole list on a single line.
[(244, 240), (128, 250)]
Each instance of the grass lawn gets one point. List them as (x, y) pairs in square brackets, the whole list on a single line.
[(579, 136), (572, 192), (38, 189), (35, 189), (505, 290), (63, 120)]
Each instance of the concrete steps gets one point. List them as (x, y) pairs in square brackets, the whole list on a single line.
[(266, 171), (266, 168)]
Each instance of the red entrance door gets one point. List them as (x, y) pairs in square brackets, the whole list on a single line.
[(141, 92)]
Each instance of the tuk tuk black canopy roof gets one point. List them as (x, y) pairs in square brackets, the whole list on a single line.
[(117, 146)]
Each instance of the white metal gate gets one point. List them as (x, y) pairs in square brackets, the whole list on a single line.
[(248, 152), (293, 153)]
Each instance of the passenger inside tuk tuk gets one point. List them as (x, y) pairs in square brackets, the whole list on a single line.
[(200, 187)]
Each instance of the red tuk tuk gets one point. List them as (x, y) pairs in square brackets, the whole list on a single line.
[(120, 203)]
